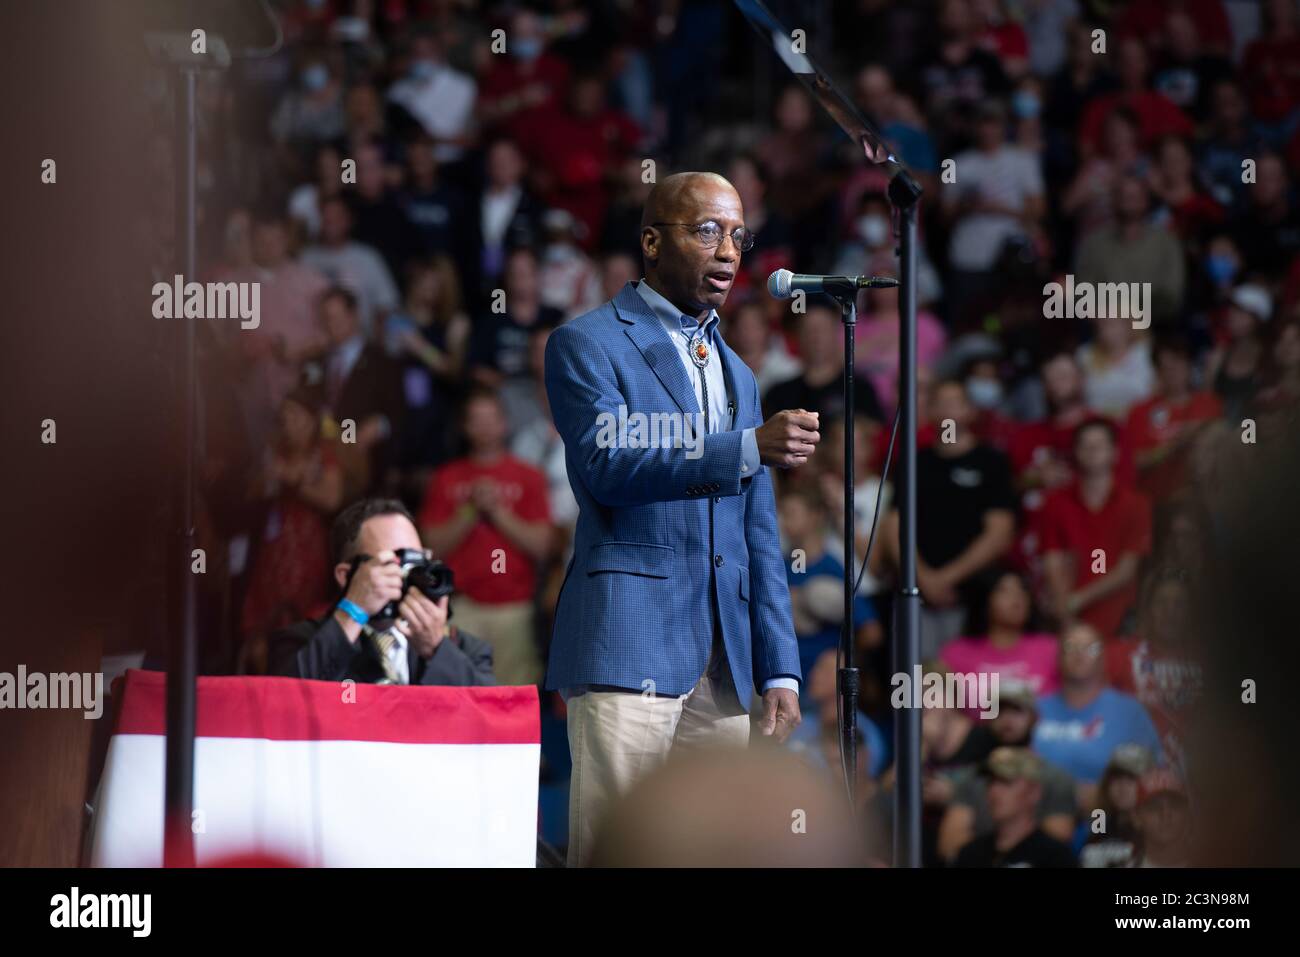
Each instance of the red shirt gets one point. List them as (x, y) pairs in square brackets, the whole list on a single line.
[(1271, 71), (1168, 685), (1034, 442), (1145, 19), (577, 151), (1157, 117), (508, 76), (1122, 526), (1196, 214), (493, 579), (1156, 421)]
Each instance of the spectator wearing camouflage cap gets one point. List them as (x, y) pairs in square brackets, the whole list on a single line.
[(1014, 790), (969, 812)]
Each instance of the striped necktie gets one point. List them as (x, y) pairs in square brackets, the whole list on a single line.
[(385, 641)]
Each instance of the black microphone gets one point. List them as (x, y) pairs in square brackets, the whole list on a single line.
[(783, 284)]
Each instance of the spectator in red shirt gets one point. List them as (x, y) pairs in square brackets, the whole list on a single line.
[(577, 151), (487, 515), (1271, 64), (1162, 429), (983, 377), (1146, 18), (1089, 199), (1004, 37), (1156, 113), (1190, 210), (1040, 451), (1094, 534), (526, 84), (1157, 666), (299, 485)]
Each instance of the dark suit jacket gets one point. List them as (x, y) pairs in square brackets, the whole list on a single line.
[(320, 650), (374, 387)]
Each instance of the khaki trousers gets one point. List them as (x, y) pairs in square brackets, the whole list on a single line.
[(508, 628), (617, 736)]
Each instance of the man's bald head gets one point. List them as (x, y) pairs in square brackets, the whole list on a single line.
[(689, 274), (674, 197)]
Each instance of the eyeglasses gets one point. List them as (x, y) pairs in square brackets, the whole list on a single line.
[(710, 234), (1089, 648)]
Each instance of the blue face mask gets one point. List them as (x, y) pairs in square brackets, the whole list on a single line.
[(315, 77), (1026, 105), (984, 393), (529, 48), (1220, 269)]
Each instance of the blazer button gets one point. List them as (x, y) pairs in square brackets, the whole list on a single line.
[(717, 560)]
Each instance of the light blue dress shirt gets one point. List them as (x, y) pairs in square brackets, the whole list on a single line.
[(722, 411)]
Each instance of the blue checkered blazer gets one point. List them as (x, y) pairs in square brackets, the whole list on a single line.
[(635, 601)]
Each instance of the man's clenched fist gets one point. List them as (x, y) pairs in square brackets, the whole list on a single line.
[(788, 438)]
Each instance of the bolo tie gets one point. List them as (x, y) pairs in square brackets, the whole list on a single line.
[(700, 353)]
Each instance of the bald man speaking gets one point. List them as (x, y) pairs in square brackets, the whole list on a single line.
[(675, 611)]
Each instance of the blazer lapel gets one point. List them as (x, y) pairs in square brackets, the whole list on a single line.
[(732, 372), (648, 334)]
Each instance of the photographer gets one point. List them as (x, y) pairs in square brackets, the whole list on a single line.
[(351, 642)]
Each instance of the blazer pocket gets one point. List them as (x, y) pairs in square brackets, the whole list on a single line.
[(744, 583), (633, 558)]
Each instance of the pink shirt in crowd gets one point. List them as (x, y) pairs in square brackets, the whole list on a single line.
[(1032, 660), (875, 346)]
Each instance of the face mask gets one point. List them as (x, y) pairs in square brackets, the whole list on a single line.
[(1026, 105), (315, 77), (528, 48), (873, 229), (1221, 269), (423, 70), (984, 393)]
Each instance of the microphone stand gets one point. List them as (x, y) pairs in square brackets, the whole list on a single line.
[(904, 194), (848, 679), (169, 45)]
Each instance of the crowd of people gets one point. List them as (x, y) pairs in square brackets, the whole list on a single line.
[(423, 201)]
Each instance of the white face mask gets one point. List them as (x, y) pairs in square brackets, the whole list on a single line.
[(873, 229), (984, 393)]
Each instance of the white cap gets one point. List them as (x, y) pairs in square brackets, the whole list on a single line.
[(1254, 300)]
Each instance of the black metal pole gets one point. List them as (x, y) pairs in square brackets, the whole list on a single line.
[(848, 678), (907, 635), (182, 667)]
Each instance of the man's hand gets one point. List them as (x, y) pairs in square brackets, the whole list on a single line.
[(423, 622), (485, 495), (937, 586), (787, 438), (780, 713), (376, 582)]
